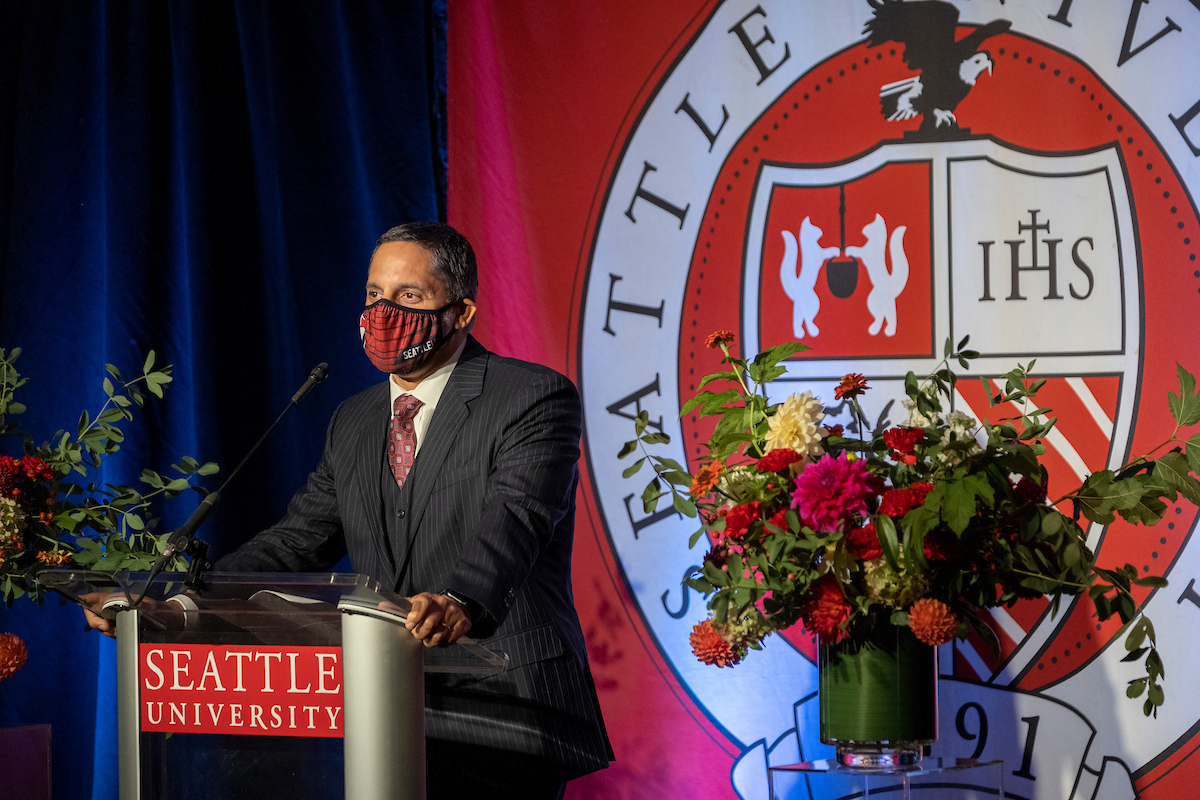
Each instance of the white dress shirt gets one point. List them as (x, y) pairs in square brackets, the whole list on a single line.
[(428, 391)]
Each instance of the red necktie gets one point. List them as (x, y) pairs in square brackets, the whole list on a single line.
[(402, 441)]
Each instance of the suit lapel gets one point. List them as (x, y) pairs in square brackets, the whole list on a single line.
[(465, 384), (368, 463)]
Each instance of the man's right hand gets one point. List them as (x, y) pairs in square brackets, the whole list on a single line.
[(437, 620), (93, 603)]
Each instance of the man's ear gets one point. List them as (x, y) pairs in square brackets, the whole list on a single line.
[(467, 316)]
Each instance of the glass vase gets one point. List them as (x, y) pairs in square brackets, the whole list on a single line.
[(878, 696)]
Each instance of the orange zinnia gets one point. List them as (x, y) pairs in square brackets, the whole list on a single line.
[(718, 338), (852, 385), (707, 478)]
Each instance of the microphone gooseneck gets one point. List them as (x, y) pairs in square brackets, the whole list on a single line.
[(183, 539)]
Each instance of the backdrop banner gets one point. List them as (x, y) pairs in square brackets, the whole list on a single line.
[(635, 178), (204, 180)]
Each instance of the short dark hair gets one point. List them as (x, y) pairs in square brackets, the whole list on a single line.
[(453, 258)]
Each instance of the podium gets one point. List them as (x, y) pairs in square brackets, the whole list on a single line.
[(257, 684)]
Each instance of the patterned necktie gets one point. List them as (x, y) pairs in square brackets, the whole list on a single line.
[(402, 441)]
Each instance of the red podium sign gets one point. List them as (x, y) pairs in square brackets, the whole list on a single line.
[(249, 690)]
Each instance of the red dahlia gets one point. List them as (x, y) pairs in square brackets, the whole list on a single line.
[(903, 442), (737, 521), (777, 460), (1028, 491), (826, 612), (864, 542)]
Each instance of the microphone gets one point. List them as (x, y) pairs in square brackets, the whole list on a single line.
[(184, 540), (320, 372)]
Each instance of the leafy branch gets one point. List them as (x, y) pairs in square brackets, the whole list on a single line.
[(1140, 641), (941, 378), (104, 526), (1140, 490), (666, 470)]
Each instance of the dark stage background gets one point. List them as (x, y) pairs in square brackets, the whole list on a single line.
[(205, 180)]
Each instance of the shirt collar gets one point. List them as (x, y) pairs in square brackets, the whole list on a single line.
[(430, 389)]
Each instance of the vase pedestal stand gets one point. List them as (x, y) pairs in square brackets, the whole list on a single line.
[(877, 755), (814, 780)]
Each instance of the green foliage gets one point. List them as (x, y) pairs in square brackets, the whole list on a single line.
[(1185, 406), (1136, 638), (100, 526)]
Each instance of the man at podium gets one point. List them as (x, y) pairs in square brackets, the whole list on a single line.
[(453, 483)]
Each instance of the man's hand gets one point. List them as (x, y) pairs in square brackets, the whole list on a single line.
[(436, 620), (91, 612)]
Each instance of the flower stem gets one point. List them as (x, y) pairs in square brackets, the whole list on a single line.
[(1059, 581), (748, 393), (862, 418)]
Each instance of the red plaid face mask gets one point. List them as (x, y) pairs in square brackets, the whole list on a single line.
[(399, 339)]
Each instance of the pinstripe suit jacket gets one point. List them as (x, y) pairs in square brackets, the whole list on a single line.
[(487, 512)]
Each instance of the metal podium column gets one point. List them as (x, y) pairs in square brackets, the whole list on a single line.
[(129, 734), (383, 701)]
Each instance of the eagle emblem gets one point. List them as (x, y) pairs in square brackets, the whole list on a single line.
[(948, 68)]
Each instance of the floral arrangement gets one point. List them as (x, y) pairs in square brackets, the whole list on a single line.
[(47, 520), (926, 522), (13, 654)]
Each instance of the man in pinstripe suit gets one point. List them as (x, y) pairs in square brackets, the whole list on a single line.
[(463, 501)]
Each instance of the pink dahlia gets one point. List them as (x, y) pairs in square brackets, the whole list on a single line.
[(832, 490)]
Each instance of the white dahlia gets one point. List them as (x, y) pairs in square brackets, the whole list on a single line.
[(796, 425)]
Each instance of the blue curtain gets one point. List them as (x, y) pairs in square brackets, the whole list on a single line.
[(204, 179)]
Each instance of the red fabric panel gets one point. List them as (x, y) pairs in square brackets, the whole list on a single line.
[(538, 94)]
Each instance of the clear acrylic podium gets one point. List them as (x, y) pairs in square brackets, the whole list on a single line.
[(269, 685)]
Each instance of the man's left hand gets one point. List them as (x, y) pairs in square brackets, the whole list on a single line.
[(436, 620)]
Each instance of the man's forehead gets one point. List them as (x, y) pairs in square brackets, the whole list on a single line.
[(405, 262)]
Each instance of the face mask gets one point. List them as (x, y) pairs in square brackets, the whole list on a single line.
[(399, 339)]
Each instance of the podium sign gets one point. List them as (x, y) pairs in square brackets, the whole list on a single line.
[(235, 689), (296, 685)]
